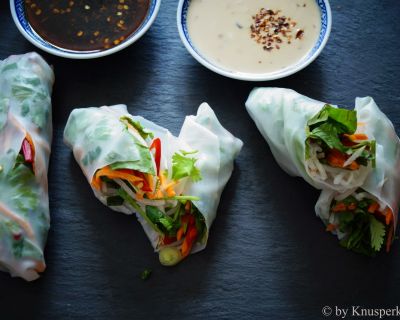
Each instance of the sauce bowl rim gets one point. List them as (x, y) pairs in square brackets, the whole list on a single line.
[(65, 53), (291, 69)]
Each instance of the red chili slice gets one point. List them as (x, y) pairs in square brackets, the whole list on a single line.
[(27, 151), (156, 145)]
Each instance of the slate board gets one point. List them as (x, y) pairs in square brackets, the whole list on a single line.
[(268, 256)]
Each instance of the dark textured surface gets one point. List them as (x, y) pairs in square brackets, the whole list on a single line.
[(268, 255)]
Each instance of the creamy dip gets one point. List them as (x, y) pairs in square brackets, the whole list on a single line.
[(221, 30)]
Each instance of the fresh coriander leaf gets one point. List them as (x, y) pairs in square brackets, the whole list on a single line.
[(377, 233), (183, 166)]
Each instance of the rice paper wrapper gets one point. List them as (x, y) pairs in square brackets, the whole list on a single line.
[(216, 149), (281, 115), (384, 181), (25, 108)]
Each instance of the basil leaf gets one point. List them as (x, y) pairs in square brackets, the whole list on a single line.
[(329, 134), (344, 120)]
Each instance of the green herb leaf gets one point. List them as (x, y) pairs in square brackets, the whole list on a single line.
[(144, 133), (146, 273), (328, 133), (183, 166), (377, 233), (163, 222), (344, 120)]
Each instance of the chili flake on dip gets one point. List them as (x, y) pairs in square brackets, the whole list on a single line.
[(86, 25), (254, 36)]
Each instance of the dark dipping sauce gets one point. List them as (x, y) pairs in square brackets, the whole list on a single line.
[(89, 25)]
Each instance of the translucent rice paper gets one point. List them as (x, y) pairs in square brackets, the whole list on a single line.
[(216, 148), (25, 108), (384, 181), (281, 115)]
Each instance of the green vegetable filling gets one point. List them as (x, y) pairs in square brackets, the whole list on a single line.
[(365, 232), (329, 128)]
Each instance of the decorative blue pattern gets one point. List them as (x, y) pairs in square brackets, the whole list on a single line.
[(322, 34), (19, 6)]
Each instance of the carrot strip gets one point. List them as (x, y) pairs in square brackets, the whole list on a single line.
[(188, 242), (40, 266), (30, 141), (357, 136), (114, 174), (339, 207), (354, 166), (352, 206), (373, 207), (162, 179), (335, 158), (388, 216), (330, 227), (180, 233)]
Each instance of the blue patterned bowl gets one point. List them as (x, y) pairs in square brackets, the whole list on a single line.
[(326, 22), (18, 14)]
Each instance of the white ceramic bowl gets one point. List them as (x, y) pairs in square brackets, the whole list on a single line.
[(18, 14), (326, 22)]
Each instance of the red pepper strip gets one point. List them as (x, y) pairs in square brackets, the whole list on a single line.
[(27, 151), (146, 186), (189, 219), (346, 141), (168, 240), (189, 240), (156, 144)]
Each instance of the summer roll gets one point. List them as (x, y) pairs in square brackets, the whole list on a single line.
[(172, 184), (25, 138), (330, 147), (365, 218)]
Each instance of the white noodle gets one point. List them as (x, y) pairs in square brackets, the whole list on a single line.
[(354, 156)]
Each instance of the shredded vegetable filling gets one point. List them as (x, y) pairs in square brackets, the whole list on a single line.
[(156, 197), (366, 224), (335, 152)]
